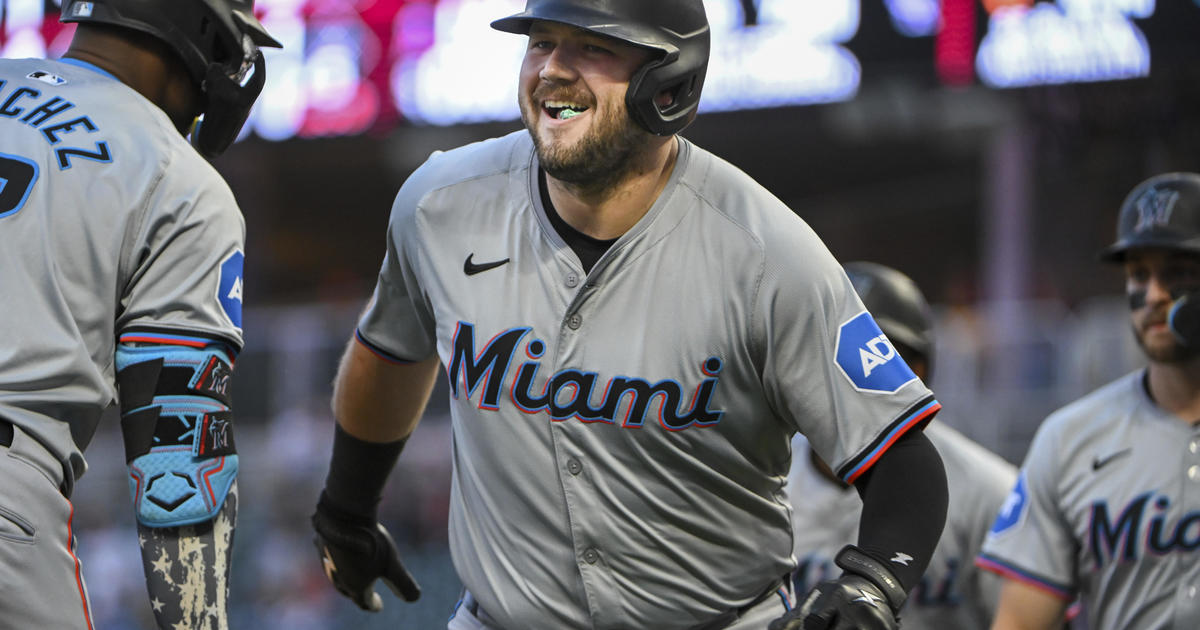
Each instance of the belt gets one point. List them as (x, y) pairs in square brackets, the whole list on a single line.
[(6, 433)]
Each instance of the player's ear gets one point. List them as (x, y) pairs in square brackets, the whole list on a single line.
[(665, 98)]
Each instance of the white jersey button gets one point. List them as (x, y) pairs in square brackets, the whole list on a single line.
[(1194, 446), (1191, 591), (591, 556), (1194, 473), (574, 322), (572, 280), (574, 467)]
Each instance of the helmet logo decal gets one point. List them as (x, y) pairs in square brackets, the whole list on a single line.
[(81, 9), (1154, 209)]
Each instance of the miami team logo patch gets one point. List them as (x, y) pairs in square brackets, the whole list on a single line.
[(229, 290), (868, 359), (1014, 507)]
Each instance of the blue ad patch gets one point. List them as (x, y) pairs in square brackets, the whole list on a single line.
[(868, 359), (229, 290), (1014, 507)]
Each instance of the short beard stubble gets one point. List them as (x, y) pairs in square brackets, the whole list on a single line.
[(602, 158)]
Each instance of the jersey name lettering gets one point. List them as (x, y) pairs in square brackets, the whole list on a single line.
[(28, 106), (568, 393), (1105, 535)]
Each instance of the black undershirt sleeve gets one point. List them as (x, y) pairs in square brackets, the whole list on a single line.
[(904, 507)]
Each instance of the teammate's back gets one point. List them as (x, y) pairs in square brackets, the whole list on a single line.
[(90, 167)]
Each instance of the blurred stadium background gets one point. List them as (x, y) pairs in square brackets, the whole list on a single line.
[(982, 147)]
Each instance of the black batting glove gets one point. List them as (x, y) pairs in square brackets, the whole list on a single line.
[(866, 597), (355, 551)]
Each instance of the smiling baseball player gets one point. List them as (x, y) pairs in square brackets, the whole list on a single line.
[(121, 251), (1107, 505), (632, 330)]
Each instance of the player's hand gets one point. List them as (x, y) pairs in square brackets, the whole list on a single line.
[(866, 597), (850, 602), (355, 552)]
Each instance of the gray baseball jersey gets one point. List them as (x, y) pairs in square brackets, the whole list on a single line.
[(1107, 507), (952, 593), (110, 225), (621, 439)]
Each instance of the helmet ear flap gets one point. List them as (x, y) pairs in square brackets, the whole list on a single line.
[(216, 39), (227, 107), (680, 74)]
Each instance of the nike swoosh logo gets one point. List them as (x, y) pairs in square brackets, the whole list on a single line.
[(1101, 462), (471, 268)]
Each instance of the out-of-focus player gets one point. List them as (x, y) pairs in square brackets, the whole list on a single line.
[(1107, 505), (952, 594)]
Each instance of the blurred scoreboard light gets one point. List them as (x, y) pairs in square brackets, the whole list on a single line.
[(360, 66), (792, 54), (1064, 42)]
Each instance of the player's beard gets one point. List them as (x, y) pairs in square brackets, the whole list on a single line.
[(604, 156), (1171, 353)]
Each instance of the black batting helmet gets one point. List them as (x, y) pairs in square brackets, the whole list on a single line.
[(218, 42), (897, 305), (1161, 212), (676, 29)]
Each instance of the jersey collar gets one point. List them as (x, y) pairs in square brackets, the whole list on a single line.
[(88, 66)]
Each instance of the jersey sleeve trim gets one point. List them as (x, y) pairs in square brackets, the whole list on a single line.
[(377, 351), (166, 336), (916, 415), (1012, 572)]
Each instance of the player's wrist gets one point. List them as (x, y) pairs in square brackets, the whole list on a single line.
[(358, 471), (853, 560)]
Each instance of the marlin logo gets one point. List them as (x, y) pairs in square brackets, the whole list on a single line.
[(902, 558), (569, 393), (218, 432), (1155, 208)]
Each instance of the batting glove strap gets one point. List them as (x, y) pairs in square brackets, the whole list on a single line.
[(850, 602), (853, 560)]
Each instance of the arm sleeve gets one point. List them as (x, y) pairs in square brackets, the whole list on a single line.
[(904, 507), (187, 570)]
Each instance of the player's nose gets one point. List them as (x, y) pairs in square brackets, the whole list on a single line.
[(1157, 291), (559, 66)]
